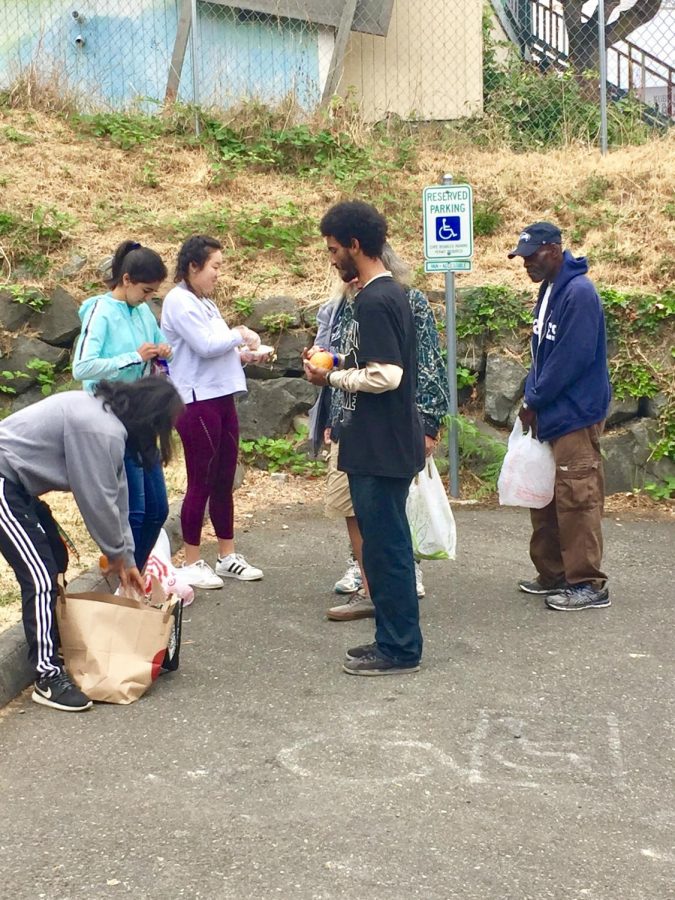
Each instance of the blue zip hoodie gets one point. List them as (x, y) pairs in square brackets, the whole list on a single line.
[(568, 384), (111, 333)]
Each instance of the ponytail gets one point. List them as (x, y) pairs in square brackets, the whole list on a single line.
[(141, 264)]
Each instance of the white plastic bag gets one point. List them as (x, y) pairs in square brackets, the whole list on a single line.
[(160, 566), (432, 525), (527, 477)]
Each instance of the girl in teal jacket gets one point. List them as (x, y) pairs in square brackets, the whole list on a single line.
[(120, 340)]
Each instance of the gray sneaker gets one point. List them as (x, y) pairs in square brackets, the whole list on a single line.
[(536, 587), (579, 596), (358, 606), (361, 650), (373, 663)]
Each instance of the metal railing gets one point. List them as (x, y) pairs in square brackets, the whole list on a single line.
[(633, 69), (636, 68)]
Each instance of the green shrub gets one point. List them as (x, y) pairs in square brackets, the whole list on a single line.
[(281, 454), (487, 217), (26, 241), (124, 129), (277, 322), (492, 309), (479, 453), (527, 108), (27, 296), (662, 490), (44, 372), (284, 228)]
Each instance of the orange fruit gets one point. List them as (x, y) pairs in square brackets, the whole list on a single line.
[(322, 360)]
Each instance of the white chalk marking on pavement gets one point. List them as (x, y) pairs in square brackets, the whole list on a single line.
[(501, 740), (290, 758), (478, 747), (616, 753), (659, 856)]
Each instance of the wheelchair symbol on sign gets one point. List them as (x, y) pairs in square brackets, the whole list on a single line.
[(448, 228)]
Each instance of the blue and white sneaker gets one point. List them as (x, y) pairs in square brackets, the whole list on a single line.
[(351, 581)]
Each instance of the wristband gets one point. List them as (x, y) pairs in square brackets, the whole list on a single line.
[(336, 361)]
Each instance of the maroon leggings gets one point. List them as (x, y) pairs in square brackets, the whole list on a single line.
[(209, 430)]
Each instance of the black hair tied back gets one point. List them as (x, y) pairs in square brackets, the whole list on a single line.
[(141, 264)]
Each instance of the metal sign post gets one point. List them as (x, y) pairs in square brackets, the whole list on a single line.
[(451, 337), (448, 247), (195, 52), (602, 55)]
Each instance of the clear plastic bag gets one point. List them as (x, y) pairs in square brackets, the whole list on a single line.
[(432, 525), (527, 477)]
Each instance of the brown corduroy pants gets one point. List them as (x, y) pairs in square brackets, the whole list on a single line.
[(566, 543)]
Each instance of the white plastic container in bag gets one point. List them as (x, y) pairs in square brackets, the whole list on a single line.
[(527, 477), (160, 566)]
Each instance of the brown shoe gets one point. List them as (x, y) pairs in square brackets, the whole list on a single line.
[(358, 606)]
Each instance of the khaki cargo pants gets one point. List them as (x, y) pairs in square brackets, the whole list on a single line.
[(566, 542)]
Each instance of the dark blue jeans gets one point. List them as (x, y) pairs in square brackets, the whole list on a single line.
[(148, 506), (379, 505)]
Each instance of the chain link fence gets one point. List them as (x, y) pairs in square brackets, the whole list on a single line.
[(562, 41), (531, 66)]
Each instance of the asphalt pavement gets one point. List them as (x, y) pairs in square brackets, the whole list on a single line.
[(531, 758)]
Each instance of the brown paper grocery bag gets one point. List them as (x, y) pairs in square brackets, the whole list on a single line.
[(113, 647)]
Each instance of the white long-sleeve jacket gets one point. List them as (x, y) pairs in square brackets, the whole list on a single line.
[(205, 362)]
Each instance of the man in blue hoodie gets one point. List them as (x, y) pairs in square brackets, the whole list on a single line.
[(567, 396)]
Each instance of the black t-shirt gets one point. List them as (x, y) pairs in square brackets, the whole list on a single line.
[(382, 434)]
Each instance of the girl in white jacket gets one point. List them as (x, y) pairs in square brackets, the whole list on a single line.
[(207, 371)]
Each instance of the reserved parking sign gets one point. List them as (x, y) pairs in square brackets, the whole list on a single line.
[(448, 221)]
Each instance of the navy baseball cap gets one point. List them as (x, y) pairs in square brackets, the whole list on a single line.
[(534, 237)]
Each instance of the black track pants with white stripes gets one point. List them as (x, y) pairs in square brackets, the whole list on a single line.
[(30, 542)]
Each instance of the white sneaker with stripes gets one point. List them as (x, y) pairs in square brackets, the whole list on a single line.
[(235, 566)]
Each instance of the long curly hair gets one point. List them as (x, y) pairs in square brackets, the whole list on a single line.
[(148, 409)]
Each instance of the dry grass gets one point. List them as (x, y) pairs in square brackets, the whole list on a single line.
[(44, 89), (630, 238), (630, 235)]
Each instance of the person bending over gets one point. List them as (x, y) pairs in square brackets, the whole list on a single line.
[(75, 441)]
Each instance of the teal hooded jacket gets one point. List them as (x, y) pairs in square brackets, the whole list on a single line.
[(107, 347)]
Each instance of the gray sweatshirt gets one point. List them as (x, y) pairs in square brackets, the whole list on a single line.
[(68, 442)]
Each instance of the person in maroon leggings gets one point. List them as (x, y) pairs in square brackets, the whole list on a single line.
[(208, 373)]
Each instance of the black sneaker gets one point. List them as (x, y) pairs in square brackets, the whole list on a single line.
[(59, 692), (371, 662), (536, 587), (362, 650), (579, 596)]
